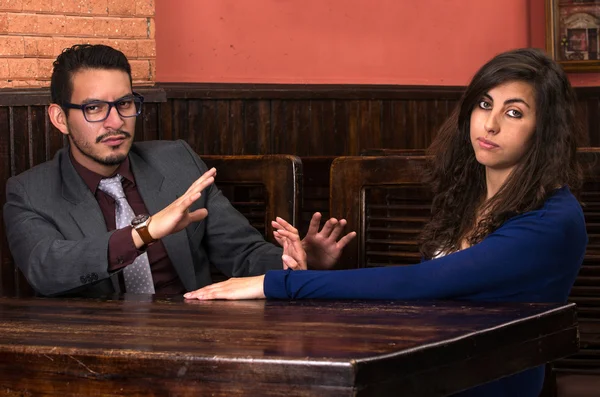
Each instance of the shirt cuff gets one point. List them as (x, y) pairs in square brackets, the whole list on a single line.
[(121, 249)]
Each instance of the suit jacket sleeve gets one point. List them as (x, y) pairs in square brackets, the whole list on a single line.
[(52, 262), (231, 243)]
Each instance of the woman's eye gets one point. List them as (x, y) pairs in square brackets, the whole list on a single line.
[(485, 105), (514, 113)]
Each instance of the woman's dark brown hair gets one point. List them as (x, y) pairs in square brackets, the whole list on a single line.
[(458, 180)]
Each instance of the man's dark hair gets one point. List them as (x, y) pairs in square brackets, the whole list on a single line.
[(80, 57)]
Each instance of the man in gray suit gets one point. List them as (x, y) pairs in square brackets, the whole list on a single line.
[(72, 236)]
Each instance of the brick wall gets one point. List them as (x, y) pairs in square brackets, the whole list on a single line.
[(34, 32)]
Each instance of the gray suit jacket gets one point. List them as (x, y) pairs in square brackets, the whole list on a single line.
[(58, 237)]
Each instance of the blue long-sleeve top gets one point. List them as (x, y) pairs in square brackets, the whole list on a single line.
[(532, 257)]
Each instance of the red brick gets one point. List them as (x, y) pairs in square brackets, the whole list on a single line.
[(45, 47), (5, 84), (45, 68), (12, 46), (4, 71), (94, 7), (140, 70), (61, 43), (22, 23), (99, 40), (3, 22), (79, 26), (22, 68), (37, 5), (128, 47), (151, 28), (152, 69), (135, 27), (30, 45), (66, 6), (144, 8), (52, 24), (107, 27), (27, 83), (11, 5), (39, 46), (146, 48), (121, 7)]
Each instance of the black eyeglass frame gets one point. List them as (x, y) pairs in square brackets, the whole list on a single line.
[(112, 104)]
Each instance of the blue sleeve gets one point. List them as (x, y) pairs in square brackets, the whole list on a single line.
[(533, 257)]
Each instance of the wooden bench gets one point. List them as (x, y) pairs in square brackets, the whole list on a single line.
[(384, 202)]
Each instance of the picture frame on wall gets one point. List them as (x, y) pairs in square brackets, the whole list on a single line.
[(573, 34)]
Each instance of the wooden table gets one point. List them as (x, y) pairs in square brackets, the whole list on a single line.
[(164, 346)]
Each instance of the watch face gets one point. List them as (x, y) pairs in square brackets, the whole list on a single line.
[(139, 219)]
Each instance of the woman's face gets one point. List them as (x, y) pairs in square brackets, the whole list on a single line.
[(502, 125)]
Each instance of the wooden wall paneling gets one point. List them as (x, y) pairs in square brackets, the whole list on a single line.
[(180, 118), (237, 132), (288, 132), (303, 128), (37, 134), (147, 125), (205, 127), (257, 127), (22, 160), (165, 125), (278, 125), (353, 132), (223, 138), (7, 270), (591, 128), (195, 138), (369, 123), (325, 135), (342, 122)]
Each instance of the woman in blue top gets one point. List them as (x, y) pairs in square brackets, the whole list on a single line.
[(505, 225)]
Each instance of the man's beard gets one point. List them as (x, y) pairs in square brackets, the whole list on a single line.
[(110, 160)]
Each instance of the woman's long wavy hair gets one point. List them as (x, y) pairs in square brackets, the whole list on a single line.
[(458, 180)]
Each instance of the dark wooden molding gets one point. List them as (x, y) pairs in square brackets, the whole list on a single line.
[(163, 91), (41, 96), (307, 91)]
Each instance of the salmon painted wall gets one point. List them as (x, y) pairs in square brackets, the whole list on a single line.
[(425, 42)]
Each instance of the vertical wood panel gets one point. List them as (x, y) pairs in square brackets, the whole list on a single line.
[(165, 130), (148, 123), (7, 286), (278, 126), (237, 131), (207, 127), (222, 144), (257, 127), (303, 131), (37, 134), (342, 127), (180, 120)]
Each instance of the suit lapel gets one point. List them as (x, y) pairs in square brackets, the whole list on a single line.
[(157, 193), (85, 209)]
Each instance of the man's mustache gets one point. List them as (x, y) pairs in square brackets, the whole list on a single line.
[(113, 133)]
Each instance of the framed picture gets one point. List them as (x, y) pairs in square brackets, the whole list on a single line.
[(572, 34)]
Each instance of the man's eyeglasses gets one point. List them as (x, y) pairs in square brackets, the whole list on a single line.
[(95, 111)]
